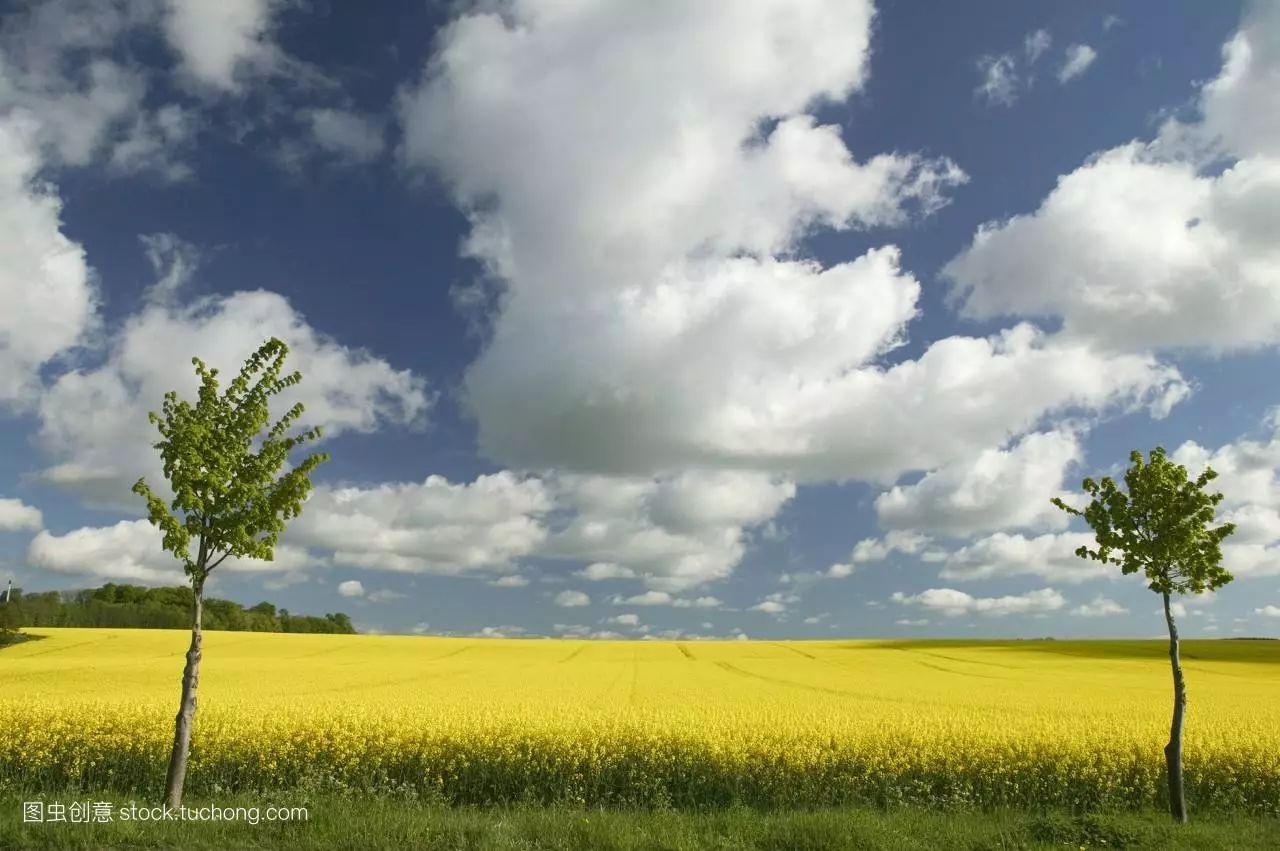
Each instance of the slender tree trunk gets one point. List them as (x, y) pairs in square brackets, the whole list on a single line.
[(186, 711), (1173, 750)]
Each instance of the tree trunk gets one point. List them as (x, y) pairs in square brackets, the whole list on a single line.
[(1173, 750), (186, 712)]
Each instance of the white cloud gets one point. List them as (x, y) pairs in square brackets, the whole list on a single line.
[(776, 603), (1151, 246), (48, 301), (1249, 480), (1239, 106), (897, 541), (674, 532), (1035, 44), (218, 44), (652, 317), (626, 620), (1268, 611), (571, 599), (1136, 253), (840, 571), (513, 580), (662, 598), (431, 527), (912, 622), (130, 550), (94, 422), (1077, 60), (1099, 607), (647, 324), (999, 79), (953, 603), (505, 631), (59, 67), (648, 598), (17, 516), (353, 137), (174, 261), (996, 489), (601, 570), (351, 588), (421, 627), (1051, 556)]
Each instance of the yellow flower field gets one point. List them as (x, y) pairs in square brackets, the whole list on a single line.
[(1078, 724)]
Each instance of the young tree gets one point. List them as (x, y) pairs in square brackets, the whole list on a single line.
[(230, 499), (1162, 528)]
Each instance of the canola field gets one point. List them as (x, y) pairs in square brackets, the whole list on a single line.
[(696, 724)]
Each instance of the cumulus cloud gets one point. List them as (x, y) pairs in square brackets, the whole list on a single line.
[(953, 603), (1239, 106), (572, 599), (626, 620), (897, 541), (1076, 61), (513, 580), (130, 550), (996, 489), (1099, 607), (1036, 44), (1148, 245), (776, 604), (17, 516), (93, 422), (654, 315), (48, 300), (649, 322), (999, 79), (1268, 611), (1051, 556), (220, 44), (601, 570), (351, 588), (673, 532), (430, 527), (662, 598), (1249, 480), (1137, 252), (353, 137)]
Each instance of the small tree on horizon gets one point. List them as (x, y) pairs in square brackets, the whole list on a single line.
[(228, 498), (1160, 527)]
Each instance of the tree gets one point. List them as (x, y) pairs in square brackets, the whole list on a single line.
[(1162, 528), (231, 500)]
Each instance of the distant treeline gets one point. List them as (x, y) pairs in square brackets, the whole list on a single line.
[(136, 607)]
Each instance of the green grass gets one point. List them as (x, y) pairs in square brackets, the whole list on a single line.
[(372, 823)]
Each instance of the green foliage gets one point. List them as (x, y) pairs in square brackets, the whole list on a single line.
[(136, 607), (390, 823), (1161, 526), (229, 498)]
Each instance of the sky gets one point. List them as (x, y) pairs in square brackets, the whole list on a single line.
[(772, 319)]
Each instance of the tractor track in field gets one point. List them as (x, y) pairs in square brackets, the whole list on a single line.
[(59, 649), (463, 649), (688, 654), (795, 650), (734, 669), (947, 670), (574, 655)]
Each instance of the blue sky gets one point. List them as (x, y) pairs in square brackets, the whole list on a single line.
[(780, 319)]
